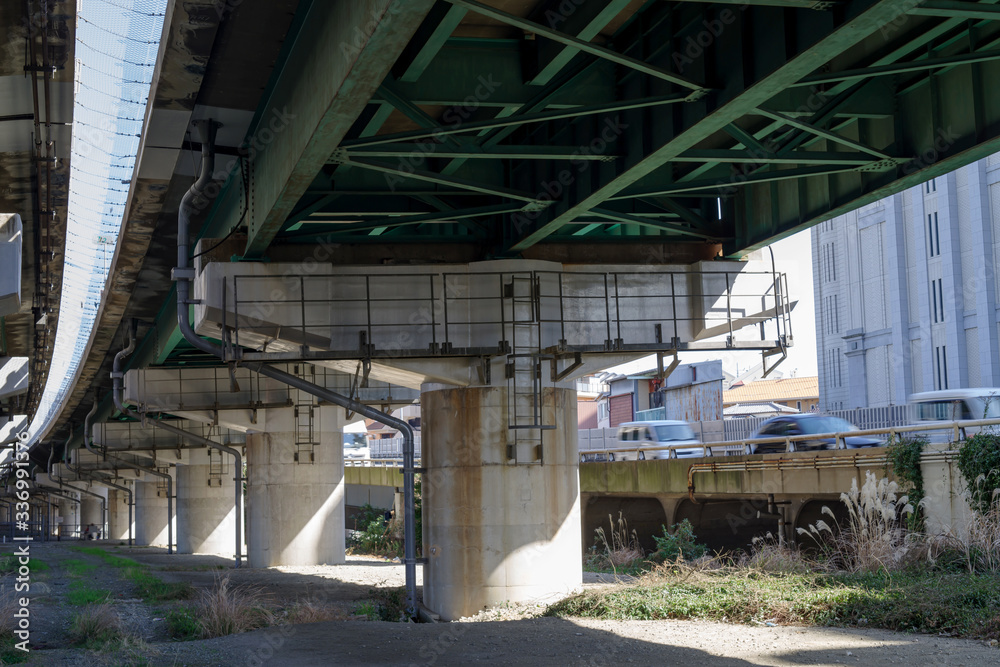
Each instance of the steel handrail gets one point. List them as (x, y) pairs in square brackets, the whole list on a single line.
[(956, 426)]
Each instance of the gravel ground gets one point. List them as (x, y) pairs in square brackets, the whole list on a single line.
[(510, 635)]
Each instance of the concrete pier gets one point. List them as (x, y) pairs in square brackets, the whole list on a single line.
[(496, 530), (118, 526), (206, 512), (150, 514), (295, 508)]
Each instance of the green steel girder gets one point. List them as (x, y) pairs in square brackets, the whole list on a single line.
[(821, 38), (341, 54), (562, 135)]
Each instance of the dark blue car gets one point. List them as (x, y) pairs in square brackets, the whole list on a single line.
[(803, 424)]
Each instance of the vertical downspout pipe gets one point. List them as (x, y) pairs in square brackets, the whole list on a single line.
[(183, 274), (409, 506), (88, 442), (117, 375)]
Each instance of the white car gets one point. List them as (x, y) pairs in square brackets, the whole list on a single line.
[(356, 452), (646, 436), (948, 405)]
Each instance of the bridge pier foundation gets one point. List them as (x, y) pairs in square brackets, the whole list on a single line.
[(206, 515), (150, 514), (295, 488), (497, 528), (91, 511)]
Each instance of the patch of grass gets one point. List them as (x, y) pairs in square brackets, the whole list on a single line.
[(81, 593), (965, 605), (77, 567), (151, 588), (148, 587), (183, 624), (9, 564)]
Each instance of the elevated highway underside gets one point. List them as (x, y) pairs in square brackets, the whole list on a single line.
[(554, 134)]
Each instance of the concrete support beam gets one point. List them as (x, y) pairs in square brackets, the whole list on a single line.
[(295, 508), (91, 510), (496, 531)]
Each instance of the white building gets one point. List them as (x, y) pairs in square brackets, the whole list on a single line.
[(906, 292)]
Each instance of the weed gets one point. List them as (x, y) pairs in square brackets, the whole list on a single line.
[(183, 624), (874, 539), (963, 605), (367, 609), (621, 551), (310, 612), (979, 462), (902, 455), (96, 626), (767, 554), (9, 654), (226, 611), (387, 604)]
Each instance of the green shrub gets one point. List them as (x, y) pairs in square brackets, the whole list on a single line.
[(679, 544), (903, 457), (979, 462)]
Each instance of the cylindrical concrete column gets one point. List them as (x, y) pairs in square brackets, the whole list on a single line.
[(118, 516), (295, 508), (206, 513), (91, 510), (150, 514), (69, 515), (495, 530)]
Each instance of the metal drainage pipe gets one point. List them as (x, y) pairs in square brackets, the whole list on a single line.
[(183, 274), (69, 466), (89, 444), (117, 375)]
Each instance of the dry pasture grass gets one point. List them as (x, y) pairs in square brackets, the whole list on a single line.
[(226, 610)]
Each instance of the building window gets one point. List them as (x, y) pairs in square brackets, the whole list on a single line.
[(931, 186), (829, 261), (937, 297), (798, 405), (941, 368), (933, 235)]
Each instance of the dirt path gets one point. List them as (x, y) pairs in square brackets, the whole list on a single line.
[(525, 641)]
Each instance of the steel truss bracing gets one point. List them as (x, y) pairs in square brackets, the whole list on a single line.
[(727, 123)]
